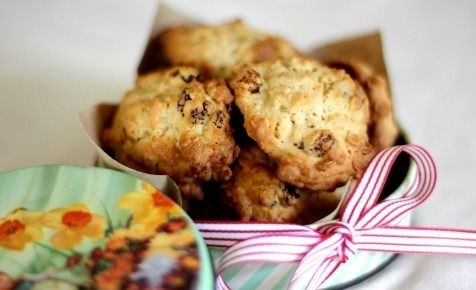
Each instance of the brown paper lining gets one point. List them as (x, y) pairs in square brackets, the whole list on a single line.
[(367, 48), (93, 121)]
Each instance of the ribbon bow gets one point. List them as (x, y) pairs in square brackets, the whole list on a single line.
[(364, 225)]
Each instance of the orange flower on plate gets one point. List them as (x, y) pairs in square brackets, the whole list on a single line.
[(148, 206), (19, 228), (72, 224)]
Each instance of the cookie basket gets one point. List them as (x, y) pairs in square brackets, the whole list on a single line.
[(266, 275)]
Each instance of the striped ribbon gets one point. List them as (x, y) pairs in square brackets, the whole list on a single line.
[(364, 225)]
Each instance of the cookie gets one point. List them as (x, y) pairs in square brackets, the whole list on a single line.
[(310, 119), (175, 123), (215, 50), (257, 194), (383, 129)]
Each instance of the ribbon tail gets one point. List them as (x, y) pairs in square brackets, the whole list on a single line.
[(323, 273), (220, 284), (226, 234), (313, 260), (265, 249), (425, 240)]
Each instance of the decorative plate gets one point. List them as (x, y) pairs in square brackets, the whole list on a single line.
[(66, 227)]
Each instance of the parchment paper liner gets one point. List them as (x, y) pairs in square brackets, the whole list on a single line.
[(93, 121)]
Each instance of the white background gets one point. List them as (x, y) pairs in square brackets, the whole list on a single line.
[(60, 57)]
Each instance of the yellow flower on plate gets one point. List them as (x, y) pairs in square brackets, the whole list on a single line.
[(149, 206), (169, 244), (19, 228), (137, 231), (72, 224)]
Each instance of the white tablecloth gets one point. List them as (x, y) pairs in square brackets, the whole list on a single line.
[(60, 57)]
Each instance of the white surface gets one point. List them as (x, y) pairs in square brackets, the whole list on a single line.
[(57, 58)]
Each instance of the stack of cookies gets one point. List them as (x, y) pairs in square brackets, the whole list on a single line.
[(277, 133)]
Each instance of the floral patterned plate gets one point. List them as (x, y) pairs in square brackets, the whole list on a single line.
[(67, 227)]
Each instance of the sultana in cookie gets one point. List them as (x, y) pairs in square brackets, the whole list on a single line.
[(258, 195), (215, 50), (383, 130), (310, 119), (175, 123)]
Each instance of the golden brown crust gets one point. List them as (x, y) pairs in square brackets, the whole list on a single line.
[(383, 129), (215, 50), (173, 123), (258, 195), (312, 120)]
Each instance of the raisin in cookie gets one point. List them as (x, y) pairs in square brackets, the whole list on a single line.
[(258, 195), (175, 123), (310, 119), (216, 49), (383, 130)]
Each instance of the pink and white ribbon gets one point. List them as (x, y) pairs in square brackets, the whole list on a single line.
[(364, 225)]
